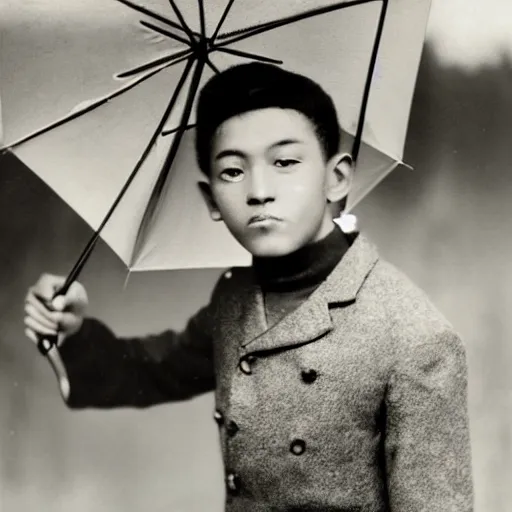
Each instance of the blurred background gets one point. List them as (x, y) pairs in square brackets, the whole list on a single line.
[(447, 224)]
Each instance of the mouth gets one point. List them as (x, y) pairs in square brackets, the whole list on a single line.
[(263, 220)]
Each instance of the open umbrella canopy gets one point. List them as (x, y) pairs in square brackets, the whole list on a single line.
[(98, 98)]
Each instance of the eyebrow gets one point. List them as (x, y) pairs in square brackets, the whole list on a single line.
[(235, 152)]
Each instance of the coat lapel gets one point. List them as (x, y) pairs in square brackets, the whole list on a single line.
[(309, 321), (312, 319)]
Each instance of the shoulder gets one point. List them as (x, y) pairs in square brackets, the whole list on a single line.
[(420, 336), (412, 316), (230, 282), (234, 277)]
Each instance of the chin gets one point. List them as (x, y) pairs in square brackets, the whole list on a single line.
[(271, 247)]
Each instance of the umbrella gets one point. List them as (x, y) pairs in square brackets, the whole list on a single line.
[(98, 99)]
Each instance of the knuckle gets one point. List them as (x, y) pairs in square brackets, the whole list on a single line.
[(49, 282), (76, 291), (80, 289)]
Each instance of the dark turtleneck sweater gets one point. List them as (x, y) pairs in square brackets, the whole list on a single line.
[(287, 281)]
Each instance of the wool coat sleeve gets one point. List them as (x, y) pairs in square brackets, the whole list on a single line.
[(107, 371), (427, 447)]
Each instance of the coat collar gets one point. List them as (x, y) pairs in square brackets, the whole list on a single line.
[(312, 318), (345, 281)]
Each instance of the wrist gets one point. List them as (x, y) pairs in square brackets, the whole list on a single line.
[(72, 331)]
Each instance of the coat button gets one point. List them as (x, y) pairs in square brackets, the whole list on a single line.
[(298, 447), (232, 428), (233, 484), (218, 417), (228, 274), (245, 364), (309, 376)]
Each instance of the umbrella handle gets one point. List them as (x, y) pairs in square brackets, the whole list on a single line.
[(47, 346), (47, 342)]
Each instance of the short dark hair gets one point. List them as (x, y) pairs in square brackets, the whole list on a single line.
[(254, 86)]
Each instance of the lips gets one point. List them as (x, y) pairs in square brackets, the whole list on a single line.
[(263, 218)]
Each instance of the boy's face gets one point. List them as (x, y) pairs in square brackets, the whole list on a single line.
[(270, 181)]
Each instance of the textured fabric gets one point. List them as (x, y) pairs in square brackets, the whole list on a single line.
[(288, 281), (382, 427), (105, 371)]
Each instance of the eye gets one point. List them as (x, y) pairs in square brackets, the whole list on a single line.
[(285, 162), (231, 174)]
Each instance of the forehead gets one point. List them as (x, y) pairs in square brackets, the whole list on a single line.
[(258, 130)]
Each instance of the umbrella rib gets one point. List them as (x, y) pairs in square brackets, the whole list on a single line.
[(164, 32), (174, 130), (181, 19), (162, 178), (222, 20), (367, 88), (247, 30), (248, 55), (201, 17), (212, 66), (293, 19), (152, 14), (92, 106), (179, 56), (92, 242)]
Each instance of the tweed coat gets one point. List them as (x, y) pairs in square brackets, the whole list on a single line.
[(355, 401)]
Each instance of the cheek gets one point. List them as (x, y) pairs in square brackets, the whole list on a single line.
[(307, 191), (298, 189), (229, 199)]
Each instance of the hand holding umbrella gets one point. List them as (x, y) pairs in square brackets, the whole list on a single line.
[(53, 312)]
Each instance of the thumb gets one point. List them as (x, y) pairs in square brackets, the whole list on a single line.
[(75, 299), (59, 303)]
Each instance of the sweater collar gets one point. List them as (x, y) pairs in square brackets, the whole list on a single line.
[(307, 267)]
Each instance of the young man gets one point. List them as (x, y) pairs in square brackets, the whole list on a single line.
[(338, 385)]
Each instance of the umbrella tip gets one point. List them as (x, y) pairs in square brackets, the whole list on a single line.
[(127, 279)]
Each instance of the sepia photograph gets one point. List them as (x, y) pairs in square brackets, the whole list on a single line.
[(255, 255)]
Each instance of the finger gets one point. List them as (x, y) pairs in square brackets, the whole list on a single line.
[(50, 323), (40, 305), (45, 301), (77, 292), (74, 300), (39, 328), (31, 335), (48, 284), (68, 321)]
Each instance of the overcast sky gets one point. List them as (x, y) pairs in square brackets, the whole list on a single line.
[(471, 32)]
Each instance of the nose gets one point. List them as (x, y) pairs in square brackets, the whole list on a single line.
[(260, 188)]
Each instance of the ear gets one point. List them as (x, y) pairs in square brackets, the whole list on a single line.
[(206, 192), (340, 172)]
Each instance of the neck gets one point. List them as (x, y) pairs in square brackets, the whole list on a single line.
[(303, 268)]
